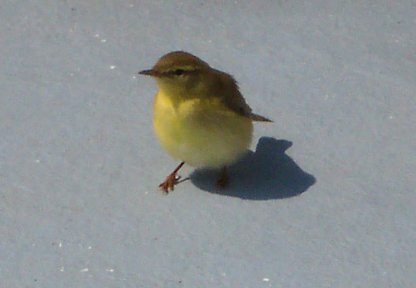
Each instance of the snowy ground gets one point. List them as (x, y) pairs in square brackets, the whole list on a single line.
[(326, 197)]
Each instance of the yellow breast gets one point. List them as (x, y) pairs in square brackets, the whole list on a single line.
[(203, 133)]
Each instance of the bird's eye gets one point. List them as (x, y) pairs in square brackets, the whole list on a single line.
[(179, 72)]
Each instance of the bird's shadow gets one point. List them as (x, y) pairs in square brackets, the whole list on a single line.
[(267, 173)]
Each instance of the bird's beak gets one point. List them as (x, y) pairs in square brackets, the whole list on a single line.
[(150, 72)]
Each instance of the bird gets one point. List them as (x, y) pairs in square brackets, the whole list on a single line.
[(199, 115)]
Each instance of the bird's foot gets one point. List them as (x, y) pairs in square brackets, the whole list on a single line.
[(171, 180), (223, 179)]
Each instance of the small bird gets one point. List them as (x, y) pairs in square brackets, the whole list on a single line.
[(199, 115)]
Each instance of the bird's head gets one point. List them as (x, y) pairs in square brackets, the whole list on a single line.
[(180, 72)]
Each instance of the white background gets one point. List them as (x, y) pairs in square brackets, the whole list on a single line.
[(326, 198)]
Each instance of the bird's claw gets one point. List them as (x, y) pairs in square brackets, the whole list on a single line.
[(169, 183)]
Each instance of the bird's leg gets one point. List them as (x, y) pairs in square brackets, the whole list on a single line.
[(171, 179), (223, 179)]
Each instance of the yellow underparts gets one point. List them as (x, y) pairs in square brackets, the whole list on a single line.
[(201, 132)]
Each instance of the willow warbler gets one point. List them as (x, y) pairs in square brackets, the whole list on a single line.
[(199, 114)]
